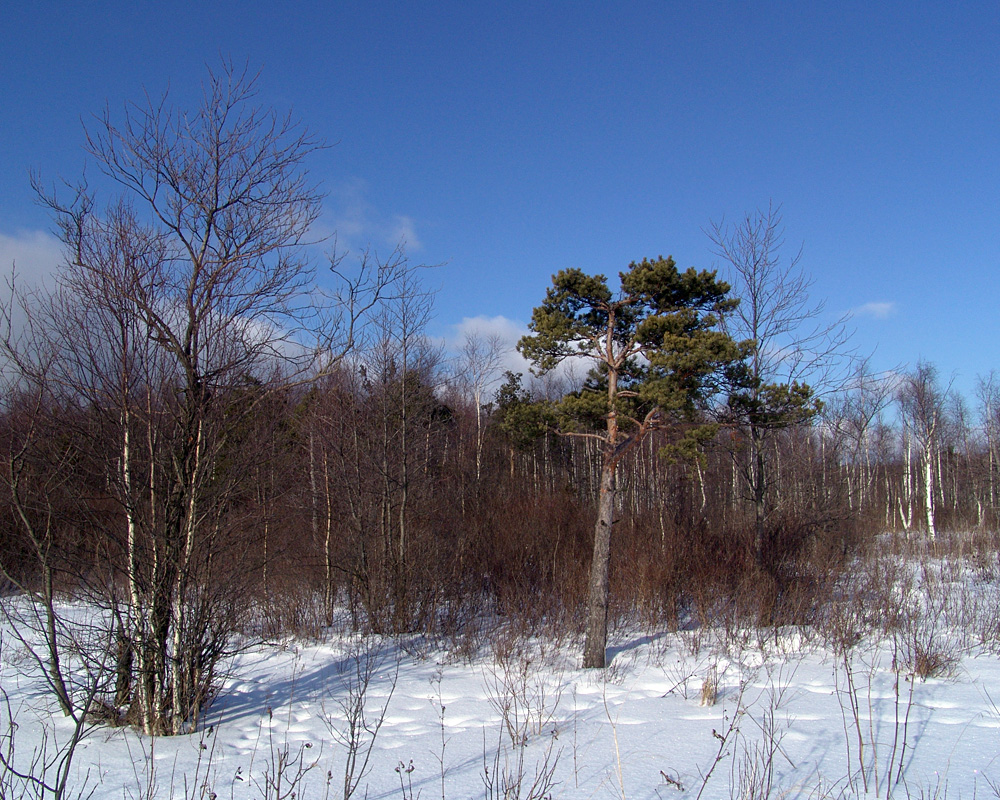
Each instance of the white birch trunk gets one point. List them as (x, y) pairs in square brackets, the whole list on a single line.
[(929, 498)]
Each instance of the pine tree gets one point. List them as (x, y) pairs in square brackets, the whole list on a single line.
[(655, 355)]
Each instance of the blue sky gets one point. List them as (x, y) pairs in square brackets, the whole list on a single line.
[(508, 141)]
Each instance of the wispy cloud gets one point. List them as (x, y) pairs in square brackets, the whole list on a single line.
[(405, 232), (33, 255), (876, 310), (356, 223)]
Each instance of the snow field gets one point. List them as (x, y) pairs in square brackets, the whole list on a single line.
[(684, 715)]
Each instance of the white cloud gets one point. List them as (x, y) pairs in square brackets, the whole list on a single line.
[(507, 331), (876, 310), (404, 231), (568, 375), (35, 255), (356, 223)]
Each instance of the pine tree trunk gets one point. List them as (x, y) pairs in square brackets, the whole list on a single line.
[(594, 650)]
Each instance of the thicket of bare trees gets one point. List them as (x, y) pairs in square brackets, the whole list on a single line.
[(184, 308), (200, 444)]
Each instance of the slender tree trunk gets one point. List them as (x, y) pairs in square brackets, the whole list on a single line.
[(182, 701), (758, 480), (929, 498), (313, 492), (906, 516), (992, 449), (52, 643), (138, 636), (701, 486), (328, 594), (479, 436), (401, 611)]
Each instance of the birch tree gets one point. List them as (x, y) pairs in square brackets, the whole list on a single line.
[(479, 362), (923, 404)]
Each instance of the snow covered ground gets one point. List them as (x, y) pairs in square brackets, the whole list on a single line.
[(682, 715)]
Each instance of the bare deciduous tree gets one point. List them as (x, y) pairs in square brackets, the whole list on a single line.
[(794, 354), (855, 420), (479, 363)]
